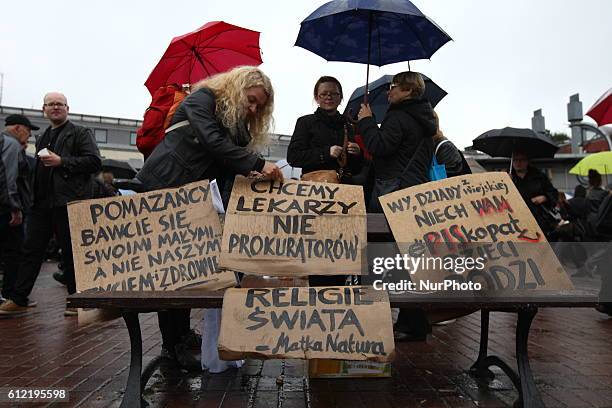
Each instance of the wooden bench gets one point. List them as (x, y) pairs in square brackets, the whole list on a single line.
[(132, 303)]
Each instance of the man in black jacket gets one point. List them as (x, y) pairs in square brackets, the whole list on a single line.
[(402, 148), (67, 159)]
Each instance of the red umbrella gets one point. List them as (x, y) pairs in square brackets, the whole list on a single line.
[(215, 47), (601, 111)]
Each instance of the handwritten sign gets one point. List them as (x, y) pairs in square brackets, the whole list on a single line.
[(475, 216), (294, 228), (160, 240), (348, 323)]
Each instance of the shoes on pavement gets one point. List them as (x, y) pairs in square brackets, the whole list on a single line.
[(192, 340), (32, 303), (10, 308), (71, 311), (59, 277)]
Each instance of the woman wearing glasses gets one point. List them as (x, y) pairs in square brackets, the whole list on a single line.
[(318, 139), (318, 143), (402, 147)]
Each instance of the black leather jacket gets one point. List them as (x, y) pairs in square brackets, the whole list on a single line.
[(204, 149), (73, 180)]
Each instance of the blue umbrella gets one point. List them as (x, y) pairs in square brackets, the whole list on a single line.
[(377, 32), (377, 96)]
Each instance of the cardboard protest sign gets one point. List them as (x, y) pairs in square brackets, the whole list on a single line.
[(160, 240), (348, 323), (294, 228), (479, 217)]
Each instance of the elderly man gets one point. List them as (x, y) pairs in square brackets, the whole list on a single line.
[(16, 194), (67, 159)]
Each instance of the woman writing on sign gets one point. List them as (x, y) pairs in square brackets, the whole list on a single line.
[(318, 139), (214, 134)]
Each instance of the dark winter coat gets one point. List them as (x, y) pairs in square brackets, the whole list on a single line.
[(312, 139), (535, 183), (403, 146)]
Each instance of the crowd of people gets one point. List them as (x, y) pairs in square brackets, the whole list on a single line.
[(216, 133)]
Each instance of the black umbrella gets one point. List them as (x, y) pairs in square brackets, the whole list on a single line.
[(377, 96), (120, 169), (503, 142)]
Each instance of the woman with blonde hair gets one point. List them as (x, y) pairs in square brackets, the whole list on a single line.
[(214, 134)]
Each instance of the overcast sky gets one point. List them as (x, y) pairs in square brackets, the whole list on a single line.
[(507, 59)]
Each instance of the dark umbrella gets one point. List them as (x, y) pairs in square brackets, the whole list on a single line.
[(377, 32), (120, 169), (377, 96), (503, 142), (215, 47)]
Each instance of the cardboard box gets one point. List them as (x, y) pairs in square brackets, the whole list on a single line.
[(318, 368)]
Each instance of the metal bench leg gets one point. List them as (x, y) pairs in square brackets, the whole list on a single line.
[(529, 396), (132, 396), (480, 368)]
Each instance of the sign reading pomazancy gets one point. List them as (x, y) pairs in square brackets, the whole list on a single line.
[(294, 228), (475, 216), (348, 323), (159, 240)]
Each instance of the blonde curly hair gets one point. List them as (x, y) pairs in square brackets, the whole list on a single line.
[(231, 100)]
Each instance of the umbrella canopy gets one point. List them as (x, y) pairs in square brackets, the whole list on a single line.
[(377, 32), (395, 29), (503, 142), (377, 96), (120, 169), (215, 47), (601, 111), (602, 162)]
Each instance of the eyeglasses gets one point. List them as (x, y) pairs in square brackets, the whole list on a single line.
[(391, 86), (332, 95), (54, 105)]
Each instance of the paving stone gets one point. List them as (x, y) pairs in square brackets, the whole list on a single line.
[(568, 348)]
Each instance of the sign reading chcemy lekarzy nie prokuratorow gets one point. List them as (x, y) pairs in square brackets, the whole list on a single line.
[(160, 240), (348, 323), (294, 228)]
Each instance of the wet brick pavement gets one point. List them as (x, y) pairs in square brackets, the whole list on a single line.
[(569, 350)]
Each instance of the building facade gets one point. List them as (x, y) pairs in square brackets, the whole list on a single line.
[(116, 137)]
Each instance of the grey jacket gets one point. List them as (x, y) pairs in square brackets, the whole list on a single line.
[(9, 170)]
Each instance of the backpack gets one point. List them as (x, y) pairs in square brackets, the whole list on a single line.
[(157, 117)]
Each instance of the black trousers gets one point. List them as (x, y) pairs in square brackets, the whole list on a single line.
[(173, 325), (11, 239), (40, 227)]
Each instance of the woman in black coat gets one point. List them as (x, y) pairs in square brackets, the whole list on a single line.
[(537, 191), (318, 138), (402, 148), (214, 134)]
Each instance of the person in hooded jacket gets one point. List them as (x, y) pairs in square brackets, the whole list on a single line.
[(214, 134), (402, 148)]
